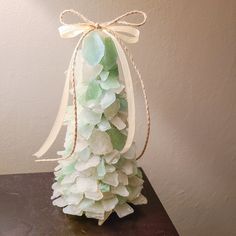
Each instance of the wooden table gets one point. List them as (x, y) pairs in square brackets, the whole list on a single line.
[(26, 209)]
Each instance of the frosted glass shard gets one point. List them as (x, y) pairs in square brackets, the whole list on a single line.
[(112, 110), (98, 216), (55, 194), (119, 89), (89, 116), (131, 153), (73, 198), (127, 167), (123, 210), (111, 83), (104, 125), (81, 145), (109, 204), (110, 168), (118, 123), (60, 202), (110, 56), (101, 168), (120, 190), (100, 143), (72, 210), (139, 200), (84, 185), (90, 72), (94, 91), (107, 99), (134, 192), (111, 179), (85, 130), (85, 203), (96, 196), (104, 75), (135, 181), (123, 178), (95, 208), (104, 187), (112, 157), (106, 215), (93, 48), (117, 138), (84, 154), (92, 162), (68, 179), (123, 104)]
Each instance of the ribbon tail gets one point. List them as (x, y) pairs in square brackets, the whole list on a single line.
[(58, 122), (129, 92)]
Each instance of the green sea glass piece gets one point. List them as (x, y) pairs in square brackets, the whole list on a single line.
[(110, 55), (117, 138), (111, 82), (104, 187), (93, 48), (94, 91)]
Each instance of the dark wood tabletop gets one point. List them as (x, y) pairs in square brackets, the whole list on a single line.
[(26, 209)]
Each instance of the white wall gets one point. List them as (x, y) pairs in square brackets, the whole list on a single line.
[(186, 54)]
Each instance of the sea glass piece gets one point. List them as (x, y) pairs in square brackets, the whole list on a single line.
[(101, 170), (92, 162), (94, 91), (93, 48), (104, 125), (117, 138), (108, 99), (123, 210), (112, 110), (111, 82), (104, 75), (110, 203), (90, 116), (110, 55), (120, 190), (100, 143), (118, 123), (111, 179)]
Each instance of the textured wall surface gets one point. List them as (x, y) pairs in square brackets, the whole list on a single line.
[(186, 54)]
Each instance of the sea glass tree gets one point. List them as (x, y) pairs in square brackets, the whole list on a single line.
[(97, 179)]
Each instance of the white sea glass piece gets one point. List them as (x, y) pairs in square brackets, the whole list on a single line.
[(100, 142), (139, 200), (90, 72), (123, 178), (123, 210), (110, 168), (92, 162), (60, 202), (73, 198), (85, 130), (118, 123), (85, 154), (135, 181), (96, 196), (104, 125), (86, 184), (90, 214), (110, 203), (112, 110), (120, 190), (72, 210), (131, 153), (89, 116), (113, 157), (111, 179), (107, 99), (85, 203), (106, 215), (104, 75)]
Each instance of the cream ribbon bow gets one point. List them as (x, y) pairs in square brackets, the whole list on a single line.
[(124, 31)]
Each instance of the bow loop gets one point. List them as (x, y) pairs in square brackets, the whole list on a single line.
[(124, 30)]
